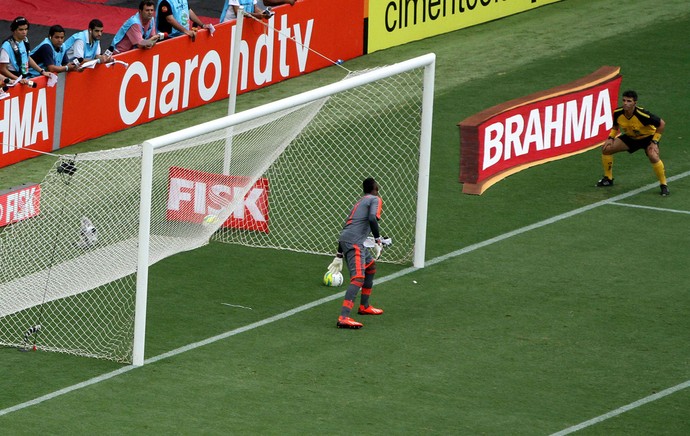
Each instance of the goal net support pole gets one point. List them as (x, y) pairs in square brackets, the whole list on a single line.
[(424, 165), (143, 255)]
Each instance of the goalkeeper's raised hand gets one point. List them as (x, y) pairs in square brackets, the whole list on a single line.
[(337, 265)]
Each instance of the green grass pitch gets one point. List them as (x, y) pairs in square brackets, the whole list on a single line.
[(537, 331)]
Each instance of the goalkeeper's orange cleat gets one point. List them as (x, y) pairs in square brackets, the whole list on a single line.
[(369, 310), (345, 322)]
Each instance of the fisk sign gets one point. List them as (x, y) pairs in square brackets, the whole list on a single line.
[(19, 204), (192, 195), (542, 127)]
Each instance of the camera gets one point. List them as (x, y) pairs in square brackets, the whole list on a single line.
[(67, 167)]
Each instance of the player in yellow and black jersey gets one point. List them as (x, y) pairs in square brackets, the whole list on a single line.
[(634, 128)]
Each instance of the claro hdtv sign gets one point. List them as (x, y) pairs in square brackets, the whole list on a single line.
[(539, 128), (175, 75)]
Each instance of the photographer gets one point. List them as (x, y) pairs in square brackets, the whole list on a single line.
[(174, 16), (49, 54), (231, 9), (14, 53), (86, 45), (139, 31)]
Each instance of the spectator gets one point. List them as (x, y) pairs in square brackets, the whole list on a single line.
[(14, 53), (139, 30), (173, 17), (49, 54), (86, 45), (231, 8)]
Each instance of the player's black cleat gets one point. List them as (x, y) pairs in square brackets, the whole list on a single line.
[(664, 190), (604, 182)]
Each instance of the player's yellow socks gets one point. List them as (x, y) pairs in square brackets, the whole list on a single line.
[(660, 172), (607, 163)]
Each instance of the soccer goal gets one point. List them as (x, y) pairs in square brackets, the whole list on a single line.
[(283, 175)]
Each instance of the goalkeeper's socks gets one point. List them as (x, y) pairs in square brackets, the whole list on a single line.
[(364, 299), (349, 301), (660, 172), (607, 163)]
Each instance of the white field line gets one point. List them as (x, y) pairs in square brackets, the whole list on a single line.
[(660, 209), (624, 409), (339, 295)]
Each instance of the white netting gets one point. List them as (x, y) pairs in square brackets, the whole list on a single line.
[(293, 175), (372, 130)]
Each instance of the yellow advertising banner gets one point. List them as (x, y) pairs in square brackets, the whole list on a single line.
[(396, 22)]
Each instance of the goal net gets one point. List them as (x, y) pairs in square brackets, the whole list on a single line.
[(283, 175)]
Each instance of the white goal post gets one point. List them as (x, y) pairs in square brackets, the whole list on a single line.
[(296, 167)]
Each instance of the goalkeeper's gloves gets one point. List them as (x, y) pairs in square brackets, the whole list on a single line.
[(376, 245), (385, 241), (376, 250), (337, 265)]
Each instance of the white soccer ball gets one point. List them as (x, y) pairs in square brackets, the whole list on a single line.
[(88, 234), (210, 220), (333, 279)]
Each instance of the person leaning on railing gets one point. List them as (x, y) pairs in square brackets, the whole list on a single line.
[(49, 54), (174, 16), (139, 31), (15, 61)]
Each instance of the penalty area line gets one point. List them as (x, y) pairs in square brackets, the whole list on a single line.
[(329, 298)]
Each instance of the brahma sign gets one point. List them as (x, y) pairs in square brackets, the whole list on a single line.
[(542, 127)]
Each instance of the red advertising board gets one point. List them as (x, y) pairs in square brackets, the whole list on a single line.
[(19, 203), (539, 128), (175, 75), (27, 119), (194, 195), (179, 74)]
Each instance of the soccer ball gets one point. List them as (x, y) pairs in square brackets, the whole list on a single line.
[(210, 220), (333, 279)]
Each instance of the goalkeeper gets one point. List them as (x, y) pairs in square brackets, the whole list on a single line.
[(360, 254)]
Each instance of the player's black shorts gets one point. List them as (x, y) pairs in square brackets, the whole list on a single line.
[(636, 144)]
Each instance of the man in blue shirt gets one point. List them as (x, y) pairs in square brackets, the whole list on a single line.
[(15, 61), (251, 7), (139, 31), (49, 54)]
